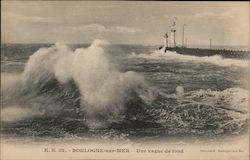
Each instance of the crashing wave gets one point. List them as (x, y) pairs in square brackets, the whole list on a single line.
[(81, 89), (103, 90), (217, 60)]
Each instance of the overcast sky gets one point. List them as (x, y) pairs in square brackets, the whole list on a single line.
[(227, 23)]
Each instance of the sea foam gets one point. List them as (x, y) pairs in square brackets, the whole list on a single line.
[(216, 59), (103, 89)]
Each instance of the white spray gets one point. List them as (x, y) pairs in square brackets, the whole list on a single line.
[(103, 89)]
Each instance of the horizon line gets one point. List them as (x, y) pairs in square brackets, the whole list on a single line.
[(145, 44)]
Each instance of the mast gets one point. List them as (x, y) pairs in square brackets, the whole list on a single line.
[(210, 43), (172, 33), (183, 34)]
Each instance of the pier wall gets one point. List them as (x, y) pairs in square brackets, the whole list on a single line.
[(211, 52)]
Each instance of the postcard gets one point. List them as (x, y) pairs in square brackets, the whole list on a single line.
[(124, 80)]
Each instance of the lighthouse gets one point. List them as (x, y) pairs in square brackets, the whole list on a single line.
[(172, 34), (166, 40)]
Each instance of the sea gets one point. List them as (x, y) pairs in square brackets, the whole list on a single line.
[(109, 92)]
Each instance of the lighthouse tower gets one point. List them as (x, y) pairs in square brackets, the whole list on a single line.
[(166, 40), (172, 35)]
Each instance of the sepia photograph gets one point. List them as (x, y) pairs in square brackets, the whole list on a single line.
[(125, 80)]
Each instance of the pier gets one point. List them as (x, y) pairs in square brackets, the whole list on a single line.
[(170, 45), (211, 52)]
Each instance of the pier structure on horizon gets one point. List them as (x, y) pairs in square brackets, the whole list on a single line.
[(171, 46)]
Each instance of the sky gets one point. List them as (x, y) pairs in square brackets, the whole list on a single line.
[(124, 22)]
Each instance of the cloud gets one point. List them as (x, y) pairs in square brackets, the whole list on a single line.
[(18, 17), (205, 15), (232, 13), (212, 15), (106, 29), (39, 19), (94, 27)]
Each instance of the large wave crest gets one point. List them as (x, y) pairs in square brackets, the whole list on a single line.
[(103, 89)]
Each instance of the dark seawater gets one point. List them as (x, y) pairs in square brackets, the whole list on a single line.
[(120, 92)]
